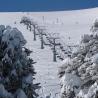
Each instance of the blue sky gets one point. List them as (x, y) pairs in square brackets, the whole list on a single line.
[(46, 5)]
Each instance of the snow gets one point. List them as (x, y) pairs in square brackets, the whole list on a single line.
[(65, 61), (86, 38), (11, 35), (28, 79), (46, 69), (20, 94), (95, 59), (63, 65), (70, 82), (4, 93), (91, 93), (13, 72), (69, 24)]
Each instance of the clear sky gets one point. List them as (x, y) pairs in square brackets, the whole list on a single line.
[(46, 5)]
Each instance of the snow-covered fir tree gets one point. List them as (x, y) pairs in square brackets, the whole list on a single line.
[(26, 21), (79, 74), (16, 68)]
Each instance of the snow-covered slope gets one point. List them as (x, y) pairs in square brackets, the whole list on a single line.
[(45, 67), (69, 24)]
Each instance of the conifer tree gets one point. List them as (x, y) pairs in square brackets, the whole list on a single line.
[(16, 68)]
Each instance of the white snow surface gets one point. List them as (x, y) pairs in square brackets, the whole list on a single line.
[(69, 82)]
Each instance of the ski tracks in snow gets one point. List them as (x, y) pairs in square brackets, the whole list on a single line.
[(45, 67)]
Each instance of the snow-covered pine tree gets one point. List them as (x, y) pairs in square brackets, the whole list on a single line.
[(26, 21), (79, 74), (16, 68), (94, 28)]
